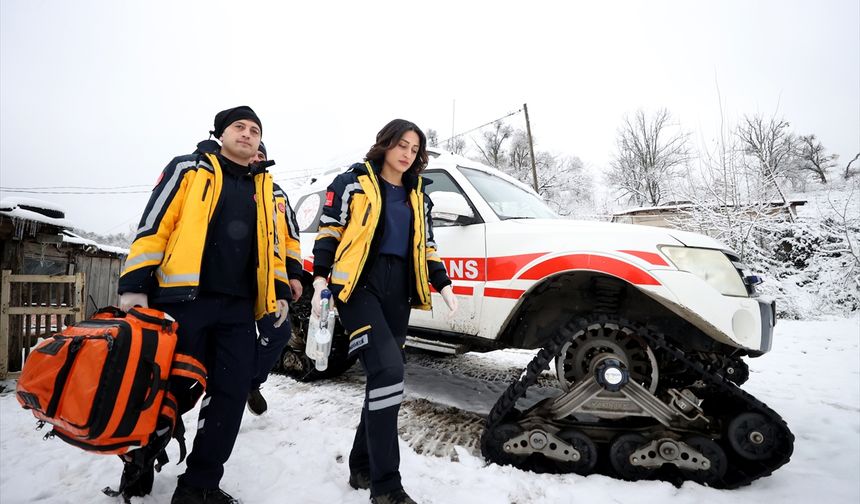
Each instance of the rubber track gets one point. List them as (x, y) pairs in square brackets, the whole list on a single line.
[(740, 471)]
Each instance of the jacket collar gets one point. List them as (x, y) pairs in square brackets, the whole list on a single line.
[(410, 181)]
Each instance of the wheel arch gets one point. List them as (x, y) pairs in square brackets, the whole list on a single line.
[(556, 298)]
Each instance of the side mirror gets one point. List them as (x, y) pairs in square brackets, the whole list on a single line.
[(450, 209)]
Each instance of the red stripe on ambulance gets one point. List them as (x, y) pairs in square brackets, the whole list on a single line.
[(614, 267)]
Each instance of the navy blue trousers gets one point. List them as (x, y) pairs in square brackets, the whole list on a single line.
[(270, 345), (219, 331), (376, 318)]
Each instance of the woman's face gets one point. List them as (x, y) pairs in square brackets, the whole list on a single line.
[(402, 155)]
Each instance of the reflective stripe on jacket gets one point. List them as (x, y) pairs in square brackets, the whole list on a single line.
[(165, 258), (348, 224)]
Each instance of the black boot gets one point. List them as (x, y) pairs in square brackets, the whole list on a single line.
[(256, 402), (398, 496), (136, 480), (193, 495), (359, 479)]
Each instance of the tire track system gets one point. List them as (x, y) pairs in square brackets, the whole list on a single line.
[(723, 401)]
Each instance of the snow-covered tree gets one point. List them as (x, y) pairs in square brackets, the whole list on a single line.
[(492, 146), (769, 148), (650, 155), (812, 158)]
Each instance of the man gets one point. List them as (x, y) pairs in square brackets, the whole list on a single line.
[(273, 339), (205, 254)]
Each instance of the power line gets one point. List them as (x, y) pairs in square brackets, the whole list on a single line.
[(481, 126)]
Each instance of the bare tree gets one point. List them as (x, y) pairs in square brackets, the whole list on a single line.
[(848, 173), (649, 157), (518, 152), (770, 149), (456, 145), (492, 148), (812, 157), (432, 138)]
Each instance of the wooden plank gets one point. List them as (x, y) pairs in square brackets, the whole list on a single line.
[(5, 286), (43, 310), (104, 281), (93, 280), (113, 297), (42, 278), (16, 329), (80, 297)]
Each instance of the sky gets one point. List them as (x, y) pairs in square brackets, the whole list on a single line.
[(104, 93)]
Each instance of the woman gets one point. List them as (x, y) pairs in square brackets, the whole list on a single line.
[(375, 241)]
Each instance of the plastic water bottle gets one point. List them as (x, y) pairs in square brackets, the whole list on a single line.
[(320, 332)]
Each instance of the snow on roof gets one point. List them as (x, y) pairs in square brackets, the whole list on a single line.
[(70, 237), (687, 204), (14, 201), (27, 209)]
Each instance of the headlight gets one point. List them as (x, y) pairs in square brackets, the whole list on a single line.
[(710, 265)]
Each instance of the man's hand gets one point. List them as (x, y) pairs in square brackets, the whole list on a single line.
[(320, 284), (283, 311), (450, 300), (128, 300), (296, 287)]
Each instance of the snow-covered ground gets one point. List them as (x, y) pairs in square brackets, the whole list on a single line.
[(296, 453)]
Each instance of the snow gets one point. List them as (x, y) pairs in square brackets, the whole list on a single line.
[(12, 202), (70, 237), (297, 451), (29, 215)]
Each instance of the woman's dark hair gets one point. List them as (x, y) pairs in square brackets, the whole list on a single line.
[(388, 137)]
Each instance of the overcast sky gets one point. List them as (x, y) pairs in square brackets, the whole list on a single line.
[(105, 93)]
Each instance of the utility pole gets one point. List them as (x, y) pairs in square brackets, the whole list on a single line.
[(531, 145)]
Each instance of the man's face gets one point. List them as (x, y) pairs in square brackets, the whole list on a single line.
[(241, 140), (258, 157)]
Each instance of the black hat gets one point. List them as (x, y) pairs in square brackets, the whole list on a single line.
[(262, 149), (227, 117)]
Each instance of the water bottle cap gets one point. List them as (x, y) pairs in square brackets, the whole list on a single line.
[(325, 294)]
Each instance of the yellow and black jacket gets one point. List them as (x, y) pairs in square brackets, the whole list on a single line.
[(349, 234), (166, 256)]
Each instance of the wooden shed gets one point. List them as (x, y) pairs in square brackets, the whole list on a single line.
[(667, 216), (51, 277)]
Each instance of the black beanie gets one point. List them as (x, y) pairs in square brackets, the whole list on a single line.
[(262, 149), (227, 117)]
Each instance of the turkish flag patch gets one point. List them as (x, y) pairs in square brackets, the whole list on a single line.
[(282, 208), (329, 198)]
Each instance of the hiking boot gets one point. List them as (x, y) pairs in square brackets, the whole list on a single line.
[(193, 495), (359, 480), (398, 496), (256, 402), (136, 480)]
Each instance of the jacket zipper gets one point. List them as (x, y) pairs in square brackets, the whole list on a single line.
[(205, 190)]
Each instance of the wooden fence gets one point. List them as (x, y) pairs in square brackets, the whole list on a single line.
[(32, 307)]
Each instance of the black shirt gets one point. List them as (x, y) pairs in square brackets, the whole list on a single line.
[(395, 237), (229, 257)]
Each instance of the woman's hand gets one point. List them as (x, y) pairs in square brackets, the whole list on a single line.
[(450, 300), (320, 284)]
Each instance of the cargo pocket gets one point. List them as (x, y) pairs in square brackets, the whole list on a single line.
[(359, 339)]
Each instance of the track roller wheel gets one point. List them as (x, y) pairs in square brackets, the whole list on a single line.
[(493, 444), (753, 436), (619, 455), (587, 453), (712, 475)]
